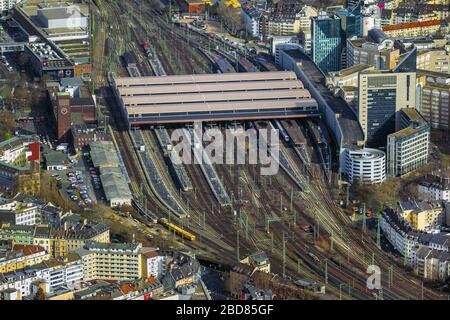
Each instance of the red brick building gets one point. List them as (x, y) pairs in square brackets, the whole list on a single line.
[(192, 6), (62, 114)]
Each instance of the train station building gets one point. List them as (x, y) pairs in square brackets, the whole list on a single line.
[(213, 97)]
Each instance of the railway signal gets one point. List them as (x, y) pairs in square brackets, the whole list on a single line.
[(285, 238), (237, 246)]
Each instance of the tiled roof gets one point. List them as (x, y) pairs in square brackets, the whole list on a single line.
[(412, 25), (28, 250)]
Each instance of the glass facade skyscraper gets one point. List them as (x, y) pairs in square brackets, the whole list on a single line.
[(327, 43)]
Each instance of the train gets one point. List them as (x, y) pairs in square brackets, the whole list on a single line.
[(312, 255), (223, 66), (294, 131), (179, 231), (199, 24), (283, 132), (147, 49)]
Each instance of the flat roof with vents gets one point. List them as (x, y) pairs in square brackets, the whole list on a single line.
[(213, 97)]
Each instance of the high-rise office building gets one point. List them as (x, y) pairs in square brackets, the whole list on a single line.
[(351, 22), (351, 26), (327, 42), (380, 95)]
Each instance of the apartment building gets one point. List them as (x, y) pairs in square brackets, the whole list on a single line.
[(59, 242), (400, 234), (409, 13), (50, 275), (423, 215), (436, 60), (305, 15), (19, 234), (413, 29), (19, 165), (153, 264), (7, 4), (282, 24), (111, 261), (20, 256), (402, 237), (432, 264), (17, 285), (435, 186), (66, 272), (20, 213), (251, 17), (434, 104)]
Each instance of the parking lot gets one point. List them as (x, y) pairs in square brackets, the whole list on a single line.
[(80, 182)]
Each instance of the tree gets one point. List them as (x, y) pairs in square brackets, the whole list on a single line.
[(40, 294), (7, 123), (24, 59), (232, 18)]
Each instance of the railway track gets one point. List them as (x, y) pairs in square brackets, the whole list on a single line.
[(216, 233)]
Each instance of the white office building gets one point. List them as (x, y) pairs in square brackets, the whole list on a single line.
[(408, 149)]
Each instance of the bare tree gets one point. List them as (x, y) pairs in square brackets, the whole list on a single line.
[(7, 123)]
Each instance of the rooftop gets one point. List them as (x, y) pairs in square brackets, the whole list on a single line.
[(54, 158), (188, 97), (104, 154), (441, 181), (63, 12), (420, 24), (409, 131), (112, 247), (351, 129), (396, 221), (352, 70), (114, 184), (412, 114)]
